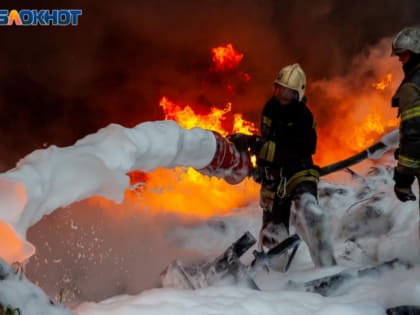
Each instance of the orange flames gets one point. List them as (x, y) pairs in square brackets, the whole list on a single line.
[(384, 83), (373, 127), (188, 118), (226, 58), (186, 191), (362, 119), (377, 121)]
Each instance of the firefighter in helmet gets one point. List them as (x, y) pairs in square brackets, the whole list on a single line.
[(285, 168), (406, 46)]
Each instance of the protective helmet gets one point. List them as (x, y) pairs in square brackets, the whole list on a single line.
[(407, 39), (292, 77)]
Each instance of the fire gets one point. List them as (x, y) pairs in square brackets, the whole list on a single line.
[(226, 58), (361, 119), (187, 192), (184, 190), (188, 118), (357, 116), (382, 85), (376, 122), (370, 130), (242, 126)]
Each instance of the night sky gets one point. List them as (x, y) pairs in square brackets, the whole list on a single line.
[(60, 83)]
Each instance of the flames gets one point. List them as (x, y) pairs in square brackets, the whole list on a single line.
[(381, 86), (374, 125), (188, 118), (185, 191), (361, 116), (226, 58), (379, 119)]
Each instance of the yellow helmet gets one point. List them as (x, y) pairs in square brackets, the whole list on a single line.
[(292, 77)]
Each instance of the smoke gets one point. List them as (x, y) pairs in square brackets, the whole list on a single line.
[(59, 83)]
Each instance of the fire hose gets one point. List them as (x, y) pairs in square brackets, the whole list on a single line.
[(233, 166)]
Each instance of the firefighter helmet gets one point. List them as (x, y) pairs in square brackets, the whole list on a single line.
[(407, 39), (292, 77)]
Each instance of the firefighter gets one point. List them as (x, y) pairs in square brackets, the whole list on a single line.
[(406, 46), (285, 168)]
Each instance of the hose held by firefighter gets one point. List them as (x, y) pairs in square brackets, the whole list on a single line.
[(285, 169)]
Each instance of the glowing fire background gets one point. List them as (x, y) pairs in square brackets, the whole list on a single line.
[(207, 63), (62, 83)]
